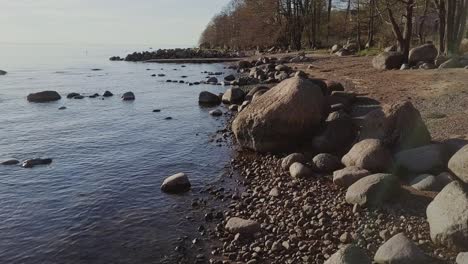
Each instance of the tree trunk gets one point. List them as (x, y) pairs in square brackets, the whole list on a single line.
[(422, 37), (328, 19)]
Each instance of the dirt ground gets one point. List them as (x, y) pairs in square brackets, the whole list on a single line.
[(440, 95)]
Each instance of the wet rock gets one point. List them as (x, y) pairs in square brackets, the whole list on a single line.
[(373, 190), (299, 171), (325, 162), (78, 97), (458, 164), (207, 98), (72, 95), (62, 108), (3, 72), (349, 175), (369, 154), (291, 110), (399, 249), (292, 158), (216, 112), (212, 80), (34, 162), (233, 108), (176, 183), (349, 254), (430, 158), (43, 97), (107, 94), (398, 125), (229, 78), (233, 96), (447, 215), (9, 162), (239, 225), (425, 182), (128, 96)]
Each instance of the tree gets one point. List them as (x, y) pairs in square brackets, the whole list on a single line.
[(456, 24)]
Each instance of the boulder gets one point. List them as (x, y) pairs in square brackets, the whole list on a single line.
[(207, 98), (424, 53), (233, 96), (338, 135), (426, 159), (212, 80), (399, 249), (9, 162), (34, 162), (229, 78), (216, 112), (349, 254), (292, 158), (3, 72), (72, 95), (458, 164), (369, 154), (107, 94), (373, 190), (300, 171), (291, 110), (349, 175), (258, 94), (462, 258), (128, 96), (388, 60), (398, 125), (325, 162), (447, 216), (253, 91), (176, 183), (237, 225), (425, 182), (43, 97)]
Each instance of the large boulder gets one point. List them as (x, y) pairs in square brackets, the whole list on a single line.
[(207, 98), (399, 249), (398, 125), (373, 190), (388, 60), (43, 97), (424, 53), (458, 164), (447, 216), (233, 96), (349, 175), (176, 183), (430, 158), (349, 254), (369, 154), (237, 225), (281, 118), (252, 92)]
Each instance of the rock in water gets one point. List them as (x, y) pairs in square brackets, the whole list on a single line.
[(388, 60), (43, 97), (289, 160), (233, 96), (216, 112), (230, 78), (281, 118), (207, 98), (300, 171), (430, 158), (3, 72), (369, 154), (447, 216), (33, 162), (237, 225), (423, 53), (399, 249), (107, 94), (176, 183), (373, 190), (398, 125), (128, 96), (212, 80), (71, 95), (10, 162), (349, 254), (349, 175), (458, 164)]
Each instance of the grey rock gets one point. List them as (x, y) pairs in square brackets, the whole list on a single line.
[(237, 225), (292, 158), (233, 96), (325, 162), (176, 183), (298, 170), (128, 96), (423, 53), (400, 250), (349, 175), (425, 182), (458, 164), (373, 190), (462, 258), (388, 60), (430, 158), (369, 154), (43, 97), (216, 112), (207, 98), (349, 254)]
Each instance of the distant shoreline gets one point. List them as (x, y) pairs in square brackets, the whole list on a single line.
[(193, 60)]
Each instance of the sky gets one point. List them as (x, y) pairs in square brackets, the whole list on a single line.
[(106, 22)]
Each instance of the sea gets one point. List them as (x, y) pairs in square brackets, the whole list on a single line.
[(100, 199)]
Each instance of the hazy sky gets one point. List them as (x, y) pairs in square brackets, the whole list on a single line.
[(116, 22)]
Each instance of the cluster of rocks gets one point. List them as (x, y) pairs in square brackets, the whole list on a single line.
[(177, 54), (422, 57), (380, 161), (350, 48), (29, 163), (50, 96)]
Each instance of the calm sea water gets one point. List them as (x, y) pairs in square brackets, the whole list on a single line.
[(100, 199)]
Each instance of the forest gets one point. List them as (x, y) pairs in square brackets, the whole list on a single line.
[(319, 24)]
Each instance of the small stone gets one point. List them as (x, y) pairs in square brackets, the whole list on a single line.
[(274, 192)]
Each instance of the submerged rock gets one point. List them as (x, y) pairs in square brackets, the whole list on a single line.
[(33, 162), (9, 162), (216, 112), (107, 94), (176, 183), (45, 96), (3, 72), (233, 96), (207, 98), (128, 96)]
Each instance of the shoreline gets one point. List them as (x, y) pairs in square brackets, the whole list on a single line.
[(194, 60)]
